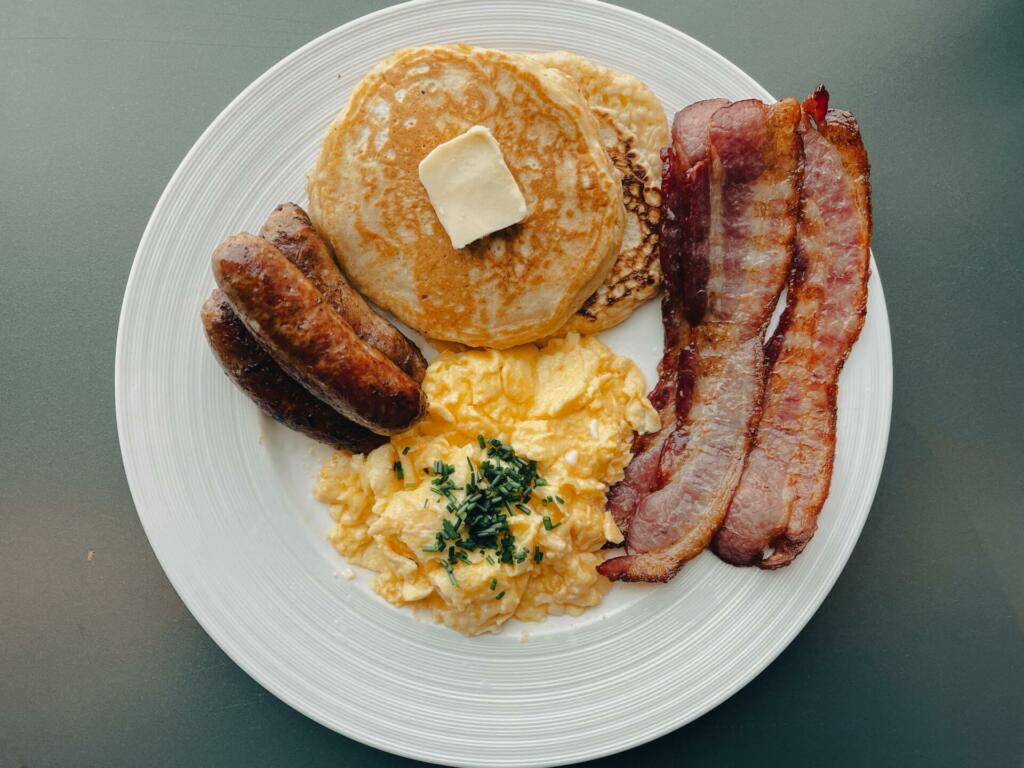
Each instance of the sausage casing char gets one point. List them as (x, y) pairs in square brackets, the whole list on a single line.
[(310, 340), (274, 391), (290, 230)]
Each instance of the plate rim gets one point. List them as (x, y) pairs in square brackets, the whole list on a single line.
[(781, 641)]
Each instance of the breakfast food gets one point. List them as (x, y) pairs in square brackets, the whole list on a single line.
[(519, 203), (635, 275), (470, 187), (683, 303), (258, 368), (741, 206), (789, 469), (632, 102), (690, 131), (289, 229), (274, 391), (516, 285), (643, 473), (633, 130), (675, 492), (492, 506), (310, 340)]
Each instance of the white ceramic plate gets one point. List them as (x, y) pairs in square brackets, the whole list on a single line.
[(225, 494)]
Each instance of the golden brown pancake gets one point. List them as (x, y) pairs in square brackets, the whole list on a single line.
[(632, 102), (636, 274), (517, 285), (634, 129)]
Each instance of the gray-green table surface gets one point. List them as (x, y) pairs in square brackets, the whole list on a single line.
[(917, 656)]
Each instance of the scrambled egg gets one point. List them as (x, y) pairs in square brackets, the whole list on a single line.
[(572, 406)]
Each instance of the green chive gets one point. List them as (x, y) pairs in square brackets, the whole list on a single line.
[(495, 490), (398, 470), (494, 583), (499, 596)]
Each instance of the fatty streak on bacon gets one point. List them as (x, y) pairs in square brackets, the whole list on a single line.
[(743, 208), (789, 470), (690, 146)]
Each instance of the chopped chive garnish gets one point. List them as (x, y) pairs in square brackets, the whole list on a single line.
[(499, 596), (559, 499), (497, 488), (548, 525), (451, 573), (398, 470), (537, 555), (405, 451), (494, 583)]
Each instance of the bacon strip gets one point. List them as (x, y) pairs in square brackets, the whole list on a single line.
[(742, 214), (789, 470), (682, 303), (641, 474)]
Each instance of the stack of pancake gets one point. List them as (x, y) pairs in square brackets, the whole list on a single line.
[(582, 143)]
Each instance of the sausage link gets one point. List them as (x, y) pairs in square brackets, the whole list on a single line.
[(290, 230), (274, 391), (309, 339)]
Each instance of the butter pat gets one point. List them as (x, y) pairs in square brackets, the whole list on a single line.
[(470, 186)]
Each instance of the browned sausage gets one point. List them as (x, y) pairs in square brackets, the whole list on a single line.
[(290, 229), (274, 391), (309, 339)]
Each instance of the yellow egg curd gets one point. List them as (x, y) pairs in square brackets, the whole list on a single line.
[(571, 407)]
